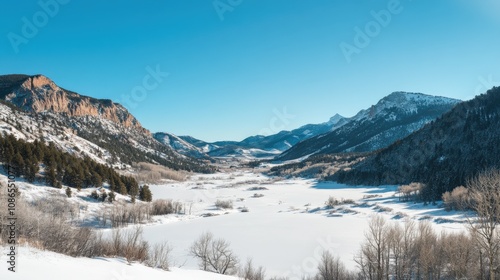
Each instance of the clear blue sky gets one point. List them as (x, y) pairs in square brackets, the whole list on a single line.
[(228, 75)]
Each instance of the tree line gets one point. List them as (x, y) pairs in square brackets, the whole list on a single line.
[(443, 154), (39, 161)]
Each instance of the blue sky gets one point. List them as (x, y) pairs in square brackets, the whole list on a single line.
[(236, 67)]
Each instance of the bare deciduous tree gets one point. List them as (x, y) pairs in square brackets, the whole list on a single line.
[(214, 254), (249, 272), (484, 192), (331, 268), (373, 259), (159, 256)]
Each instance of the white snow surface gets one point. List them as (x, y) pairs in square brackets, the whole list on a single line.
[(35, 264), (285, 230)]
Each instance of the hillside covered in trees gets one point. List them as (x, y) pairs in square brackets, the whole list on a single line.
[(38, 161), (444, 154), (38, 100)]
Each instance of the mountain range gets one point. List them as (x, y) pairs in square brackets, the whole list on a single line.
[(443, 154), (392, 118), (72, 121), (408, 136)]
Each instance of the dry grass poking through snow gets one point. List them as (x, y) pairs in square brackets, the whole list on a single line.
[(153, 174), (45, 225)]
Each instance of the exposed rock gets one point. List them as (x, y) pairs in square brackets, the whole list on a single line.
[(40, 94)]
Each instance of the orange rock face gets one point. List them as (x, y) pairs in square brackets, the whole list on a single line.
[(40, 94)]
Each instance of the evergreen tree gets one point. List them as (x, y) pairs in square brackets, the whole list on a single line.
[(18, 164), (145, 194), (94, 195), (31, 170), (68, 192), (50, 176), (95, 179), (104, 195), (112, 197)]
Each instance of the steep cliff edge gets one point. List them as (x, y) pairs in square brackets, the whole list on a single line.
[(40, 94)]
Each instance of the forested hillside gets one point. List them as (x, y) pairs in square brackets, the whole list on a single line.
[(38, 161), (443, 155)]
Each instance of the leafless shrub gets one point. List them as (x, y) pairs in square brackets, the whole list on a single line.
[(152, 173), (257, 189), (208, 215), (458, 199), (380, 208), (410, 192), (332, 202), (165, 207), (122, 214), (159, 256), (224, 204), (368, 196), (249, 272)]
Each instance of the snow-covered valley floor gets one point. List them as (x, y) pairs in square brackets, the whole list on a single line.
[(282, 224), (287, 228)]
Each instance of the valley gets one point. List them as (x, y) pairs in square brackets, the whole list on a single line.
[(286, 229), (250, 140), (283, 201), (282, 224)]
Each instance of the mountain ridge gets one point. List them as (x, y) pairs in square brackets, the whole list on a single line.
[(393, 117), (444, 154), (38, 93), (260, 146), (112, 134)]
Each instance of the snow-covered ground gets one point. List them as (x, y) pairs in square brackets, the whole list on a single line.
[(285, 230), (36, 264)]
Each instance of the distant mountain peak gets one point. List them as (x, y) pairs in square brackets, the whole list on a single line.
[(392, 118), (335, 119), (443, 155), (402, 98), (409, 102)]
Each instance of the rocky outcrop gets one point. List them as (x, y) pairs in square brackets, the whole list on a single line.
[(40, 94)]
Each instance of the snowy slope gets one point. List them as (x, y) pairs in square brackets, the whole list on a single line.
[(41, 265), (34, 107), (29, 128), (392, 118), (180, 145), (285, 230), (253, 147)]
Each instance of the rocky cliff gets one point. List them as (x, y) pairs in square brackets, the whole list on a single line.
[(40, 94)]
